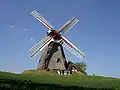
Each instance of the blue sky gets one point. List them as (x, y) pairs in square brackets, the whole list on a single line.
[(97, 34)]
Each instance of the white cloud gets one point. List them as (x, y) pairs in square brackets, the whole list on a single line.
[(24, 29), (31, 39), (13, 26)]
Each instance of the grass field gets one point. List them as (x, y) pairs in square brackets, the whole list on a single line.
[(43, 78)]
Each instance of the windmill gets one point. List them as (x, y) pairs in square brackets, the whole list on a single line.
[(52, 44)]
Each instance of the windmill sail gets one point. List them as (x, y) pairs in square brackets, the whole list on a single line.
[(35, 14), (68, 25), (71, 48), (40, 46)]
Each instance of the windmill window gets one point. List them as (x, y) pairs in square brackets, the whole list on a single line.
[(58, 60)]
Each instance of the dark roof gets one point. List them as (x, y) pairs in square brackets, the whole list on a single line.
[(76, 67)]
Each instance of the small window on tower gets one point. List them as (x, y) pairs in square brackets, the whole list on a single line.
[(58, 60)]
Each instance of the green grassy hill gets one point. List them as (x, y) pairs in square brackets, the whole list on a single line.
[(47, 80)]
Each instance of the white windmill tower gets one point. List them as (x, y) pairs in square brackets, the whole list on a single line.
[(53, 55)]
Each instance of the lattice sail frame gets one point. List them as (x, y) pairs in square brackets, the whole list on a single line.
[(68, 25), (40, 46), (39, 17), (71, 48)]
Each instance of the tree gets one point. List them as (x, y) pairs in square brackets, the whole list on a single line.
[(81, 66)]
